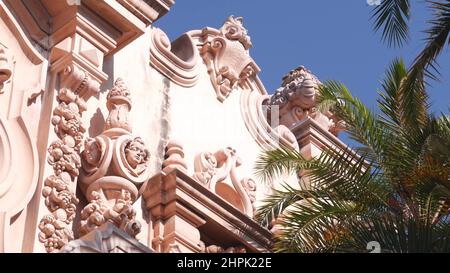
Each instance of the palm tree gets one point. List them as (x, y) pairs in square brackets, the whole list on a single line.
[(392, 18), (394, 190)]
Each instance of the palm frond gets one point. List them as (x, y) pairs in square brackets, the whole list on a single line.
[(361, 123), (392, 17), (438, 37), (314, 223), (271, 164), (276, 203), (389, 100)]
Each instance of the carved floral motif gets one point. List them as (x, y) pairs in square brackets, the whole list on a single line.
[(250, 188), (233, 29), (98, 211), (226, 54), (205, 168), (65, 159)]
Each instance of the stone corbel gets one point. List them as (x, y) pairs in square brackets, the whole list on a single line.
[(79, 65), (173, 223)]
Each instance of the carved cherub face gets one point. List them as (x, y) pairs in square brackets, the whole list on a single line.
[(92, 152), (136, 154)]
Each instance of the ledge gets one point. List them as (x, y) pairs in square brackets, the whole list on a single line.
[(176, 186)]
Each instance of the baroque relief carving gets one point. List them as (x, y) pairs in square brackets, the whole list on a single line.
[(113, 165), (250, 188), (219, 249), (178, 60), (213, 169), (226, 55), (5, 67), (121, 213), (296, 100), (65, 159), (119, 106)]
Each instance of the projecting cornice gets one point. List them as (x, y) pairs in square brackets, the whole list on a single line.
[(119, 22)]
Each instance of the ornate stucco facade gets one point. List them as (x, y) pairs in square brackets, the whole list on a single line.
[(115, 139)]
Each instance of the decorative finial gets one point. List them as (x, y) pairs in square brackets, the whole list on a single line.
[(119, 106)]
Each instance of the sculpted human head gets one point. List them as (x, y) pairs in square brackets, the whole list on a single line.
[(92, 151), (136, 154), (299, 88)]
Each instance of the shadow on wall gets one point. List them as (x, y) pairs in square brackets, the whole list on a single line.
[(96, 123)]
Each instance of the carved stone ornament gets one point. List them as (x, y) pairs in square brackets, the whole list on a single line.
[(113, 165), (117, 208), (5, 67), (64, 157), (226, 54), (213, 170), (250, 187), (219, 249), (174, 157), (119, 106), (295, 100)]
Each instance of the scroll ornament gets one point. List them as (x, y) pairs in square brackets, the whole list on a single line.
[(226, 54), (213, 168)]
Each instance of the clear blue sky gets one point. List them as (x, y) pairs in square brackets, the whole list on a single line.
[(334, 39)]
